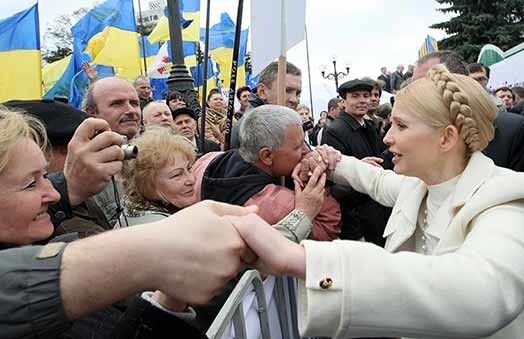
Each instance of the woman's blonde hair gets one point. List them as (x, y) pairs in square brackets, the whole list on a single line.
[(157, 148), (442, 99), (15, 125)]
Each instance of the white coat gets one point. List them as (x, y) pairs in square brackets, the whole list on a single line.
[(471, 286)]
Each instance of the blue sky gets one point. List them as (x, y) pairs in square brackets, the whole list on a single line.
[(367, 34)]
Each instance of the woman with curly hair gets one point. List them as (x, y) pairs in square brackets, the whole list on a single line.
[(159, 182)]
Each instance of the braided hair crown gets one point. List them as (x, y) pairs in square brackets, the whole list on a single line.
[(458, 103)]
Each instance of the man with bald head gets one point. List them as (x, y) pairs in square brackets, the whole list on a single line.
[(116, 101), (157, 113)]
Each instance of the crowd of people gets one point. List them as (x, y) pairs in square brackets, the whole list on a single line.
[(125, 220)]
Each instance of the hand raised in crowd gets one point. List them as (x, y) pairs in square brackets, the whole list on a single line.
[(90, 70), (91, 159), (309, 199), (275, 254), (375, 161)]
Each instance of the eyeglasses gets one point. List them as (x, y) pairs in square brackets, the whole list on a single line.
[(481, 78)]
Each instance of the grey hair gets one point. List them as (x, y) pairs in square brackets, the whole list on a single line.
[(266, 126), (89, 101)]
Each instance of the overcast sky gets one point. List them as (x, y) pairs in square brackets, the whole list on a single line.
[(367, 34)]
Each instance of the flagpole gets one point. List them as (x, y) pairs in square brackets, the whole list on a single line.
[(204, 85), (233, 81), (37, 28), (142, 37), (282, 65), (179, 78), (309, 75), (282, 62)]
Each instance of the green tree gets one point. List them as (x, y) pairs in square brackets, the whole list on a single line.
[(479, 22), (58, 38)]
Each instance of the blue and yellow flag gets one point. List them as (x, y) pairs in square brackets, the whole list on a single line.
[(189, 20), (430, 45), (20, 77), (221, 42), (106, 36), (56, 78)]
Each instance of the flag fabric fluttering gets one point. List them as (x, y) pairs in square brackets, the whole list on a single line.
[(106, 36), (158, 70), (56, 78), (276, 26), (430, 45), (221, 41), (21, 77), (189, 20)]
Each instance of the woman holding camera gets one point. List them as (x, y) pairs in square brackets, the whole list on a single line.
[(452, 263)]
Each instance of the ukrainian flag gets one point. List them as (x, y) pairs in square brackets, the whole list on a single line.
[(20, 56), (56, 78), (148, 52), (221, 42), (108, 34), (189, 19), (430, 45)]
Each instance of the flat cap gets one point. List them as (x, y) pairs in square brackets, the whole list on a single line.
[(354, 85), (183, 110), (61, 120)]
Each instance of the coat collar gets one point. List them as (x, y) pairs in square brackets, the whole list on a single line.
[(403, 220), (352, 122)]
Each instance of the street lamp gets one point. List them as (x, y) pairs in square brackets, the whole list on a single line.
[(179, 78), (335, 75)]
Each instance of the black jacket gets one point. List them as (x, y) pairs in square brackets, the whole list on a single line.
[(209, 146), (386, 78), (396, 80), (361, 216), (254, 101), (228, 178), (507, 147)]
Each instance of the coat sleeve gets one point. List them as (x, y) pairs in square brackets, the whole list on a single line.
[(469, 293), (381, 185), (516, 161), (275, 202), (30, 303)]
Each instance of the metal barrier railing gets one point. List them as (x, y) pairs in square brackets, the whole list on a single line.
[(233, 311), (284, 296)]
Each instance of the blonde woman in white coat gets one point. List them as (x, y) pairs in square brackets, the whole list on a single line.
[(453, 264)]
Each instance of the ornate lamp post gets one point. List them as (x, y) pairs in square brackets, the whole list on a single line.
[(179, 78), (335, 75)]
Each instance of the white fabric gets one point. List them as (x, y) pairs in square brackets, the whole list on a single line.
[(250, 307), (470, 286), (438, 201), (271, 36), (507, 72)]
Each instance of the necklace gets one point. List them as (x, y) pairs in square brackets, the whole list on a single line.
[(424, 227)]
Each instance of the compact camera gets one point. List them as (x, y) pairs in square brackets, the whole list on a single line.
[(307, 125), (130, 151)]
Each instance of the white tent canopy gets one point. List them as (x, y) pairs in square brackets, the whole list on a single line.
[(508, 72)]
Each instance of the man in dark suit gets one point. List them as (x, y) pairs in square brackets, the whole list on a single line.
[(354, 135), (184, 122), (386, 77), (507, 147)]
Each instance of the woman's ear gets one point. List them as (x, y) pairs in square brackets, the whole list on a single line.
[(450, 137)]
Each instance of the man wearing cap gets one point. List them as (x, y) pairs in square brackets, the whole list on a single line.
[(185, 124), (354, 135)]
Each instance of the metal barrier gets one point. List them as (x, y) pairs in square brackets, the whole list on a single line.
[(284, 294)]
